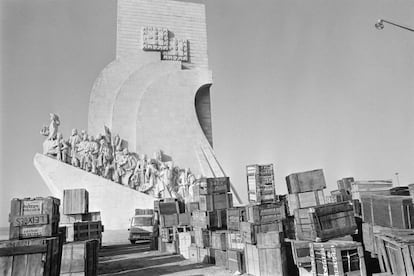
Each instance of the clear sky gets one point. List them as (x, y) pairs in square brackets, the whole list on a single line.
[(301, 84)]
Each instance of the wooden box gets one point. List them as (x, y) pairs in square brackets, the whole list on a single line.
[(337, 258), (201, 255), (236, 261), (271, 239), (80, 257), (235, 216), (169, 220), (34, 217), (396, 252), (221, 258), (219, 240), (214, 185), (325, 222), (400, 191), (345, 184), (249, 230), (301, 253), (169, 207), (82, 231), (202, 237), (192, 206), (166, 234), (305, 181), (370, 187), (39, 256), (215, 220), (304, 200), (216, 201), (388, 211), (91, 216), (260, 183), (184, 219), (168, 247), (75, 201), (139, 212), (184, 243), (265, 261), (264, 213), (234, 240)]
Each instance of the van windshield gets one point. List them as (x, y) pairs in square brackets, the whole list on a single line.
[(142, 221)]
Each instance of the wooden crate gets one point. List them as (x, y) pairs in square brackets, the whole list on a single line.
[(235, 240), (166, 234), (264, 213), (184, 243), (396, 252), (39, 256), (345, 184), (216, 201), (370, 187), (304, 200), (202, 237), (34, 217), (301, 253), (305, 181), (388, 211), (169, 220), (341, 195), (168, 247), (249, 230), (75, 201), (265, 261), (221, 258), (91, 216), (82, 231), (235, 216), (168, 207), (400, 191), (214, 220), (271, 239), (219, 240), (139, 212), (325, 222), (289, 227), (214, 185), (236, 261), (260, 183), (80, 257), (184, 219), (201, 255), (192, 206), (337, 258)]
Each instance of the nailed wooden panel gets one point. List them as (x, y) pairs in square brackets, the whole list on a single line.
[(80, 257), (305, 181), (75, 201)]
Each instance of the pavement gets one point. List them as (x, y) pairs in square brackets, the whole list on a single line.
[(139, 260)]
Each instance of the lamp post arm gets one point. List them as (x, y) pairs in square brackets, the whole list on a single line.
[(397, 25)]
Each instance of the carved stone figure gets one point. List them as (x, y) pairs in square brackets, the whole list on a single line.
[(62, 148), (74, 140), (82, 150), (125, 164), (53, 127), (105, 158), (92, 155)]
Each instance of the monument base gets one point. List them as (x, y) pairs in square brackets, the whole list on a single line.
[(116, 202)]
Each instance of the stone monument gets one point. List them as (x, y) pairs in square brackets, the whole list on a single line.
[(155, 95)]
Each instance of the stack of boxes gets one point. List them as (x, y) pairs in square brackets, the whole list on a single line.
[(321, 226), (83, 234), (81, 225), (35, 245)]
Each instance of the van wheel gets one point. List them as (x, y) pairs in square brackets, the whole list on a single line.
[(132, 241)]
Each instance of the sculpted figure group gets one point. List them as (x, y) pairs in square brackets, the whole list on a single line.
[(107, 156)]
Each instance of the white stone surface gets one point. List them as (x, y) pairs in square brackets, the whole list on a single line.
[(117, 203)]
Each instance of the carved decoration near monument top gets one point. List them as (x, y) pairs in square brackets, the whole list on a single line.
[(178, 50), (154, 39)]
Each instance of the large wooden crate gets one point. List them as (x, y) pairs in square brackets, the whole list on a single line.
[(337, 258), (170, 206), (34, 217), (139, 212), (235, 216), (221, 258), (325, 222), (214, 185), (214, 220), (264, 213), (370, 187), (388, 211), (192, 206), (184, 219), (168, 247), (305, 181), (201, 255), (266, 261), (166, 234), (202, 237), (301, 253), (396, 252), (169, 220), (235, 240), (75, 201), (345, 184), (217, 201), (219, 240), (91, 216), (184, 243), (304, 200), (82, 231), (80, 257), (249, 230), (236, 261), (260, 183), (271, 239), (40, 256)]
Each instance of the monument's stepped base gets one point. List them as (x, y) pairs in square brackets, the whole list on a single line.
[(116, 202)]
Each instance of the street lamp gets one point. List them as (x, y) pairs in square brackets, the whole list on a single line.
[(380, 25)]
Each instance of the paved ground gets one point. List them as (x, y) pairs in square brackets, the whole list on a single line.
[(138, 260)]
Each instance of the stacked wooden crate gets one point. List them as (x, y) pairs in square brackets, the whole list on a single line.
[(35, 245), (81, 225), (173, 220), (319, 224)]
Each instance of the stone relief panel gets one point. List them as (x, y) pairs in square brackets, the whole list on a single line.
[(154, 39), (178, 50)]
